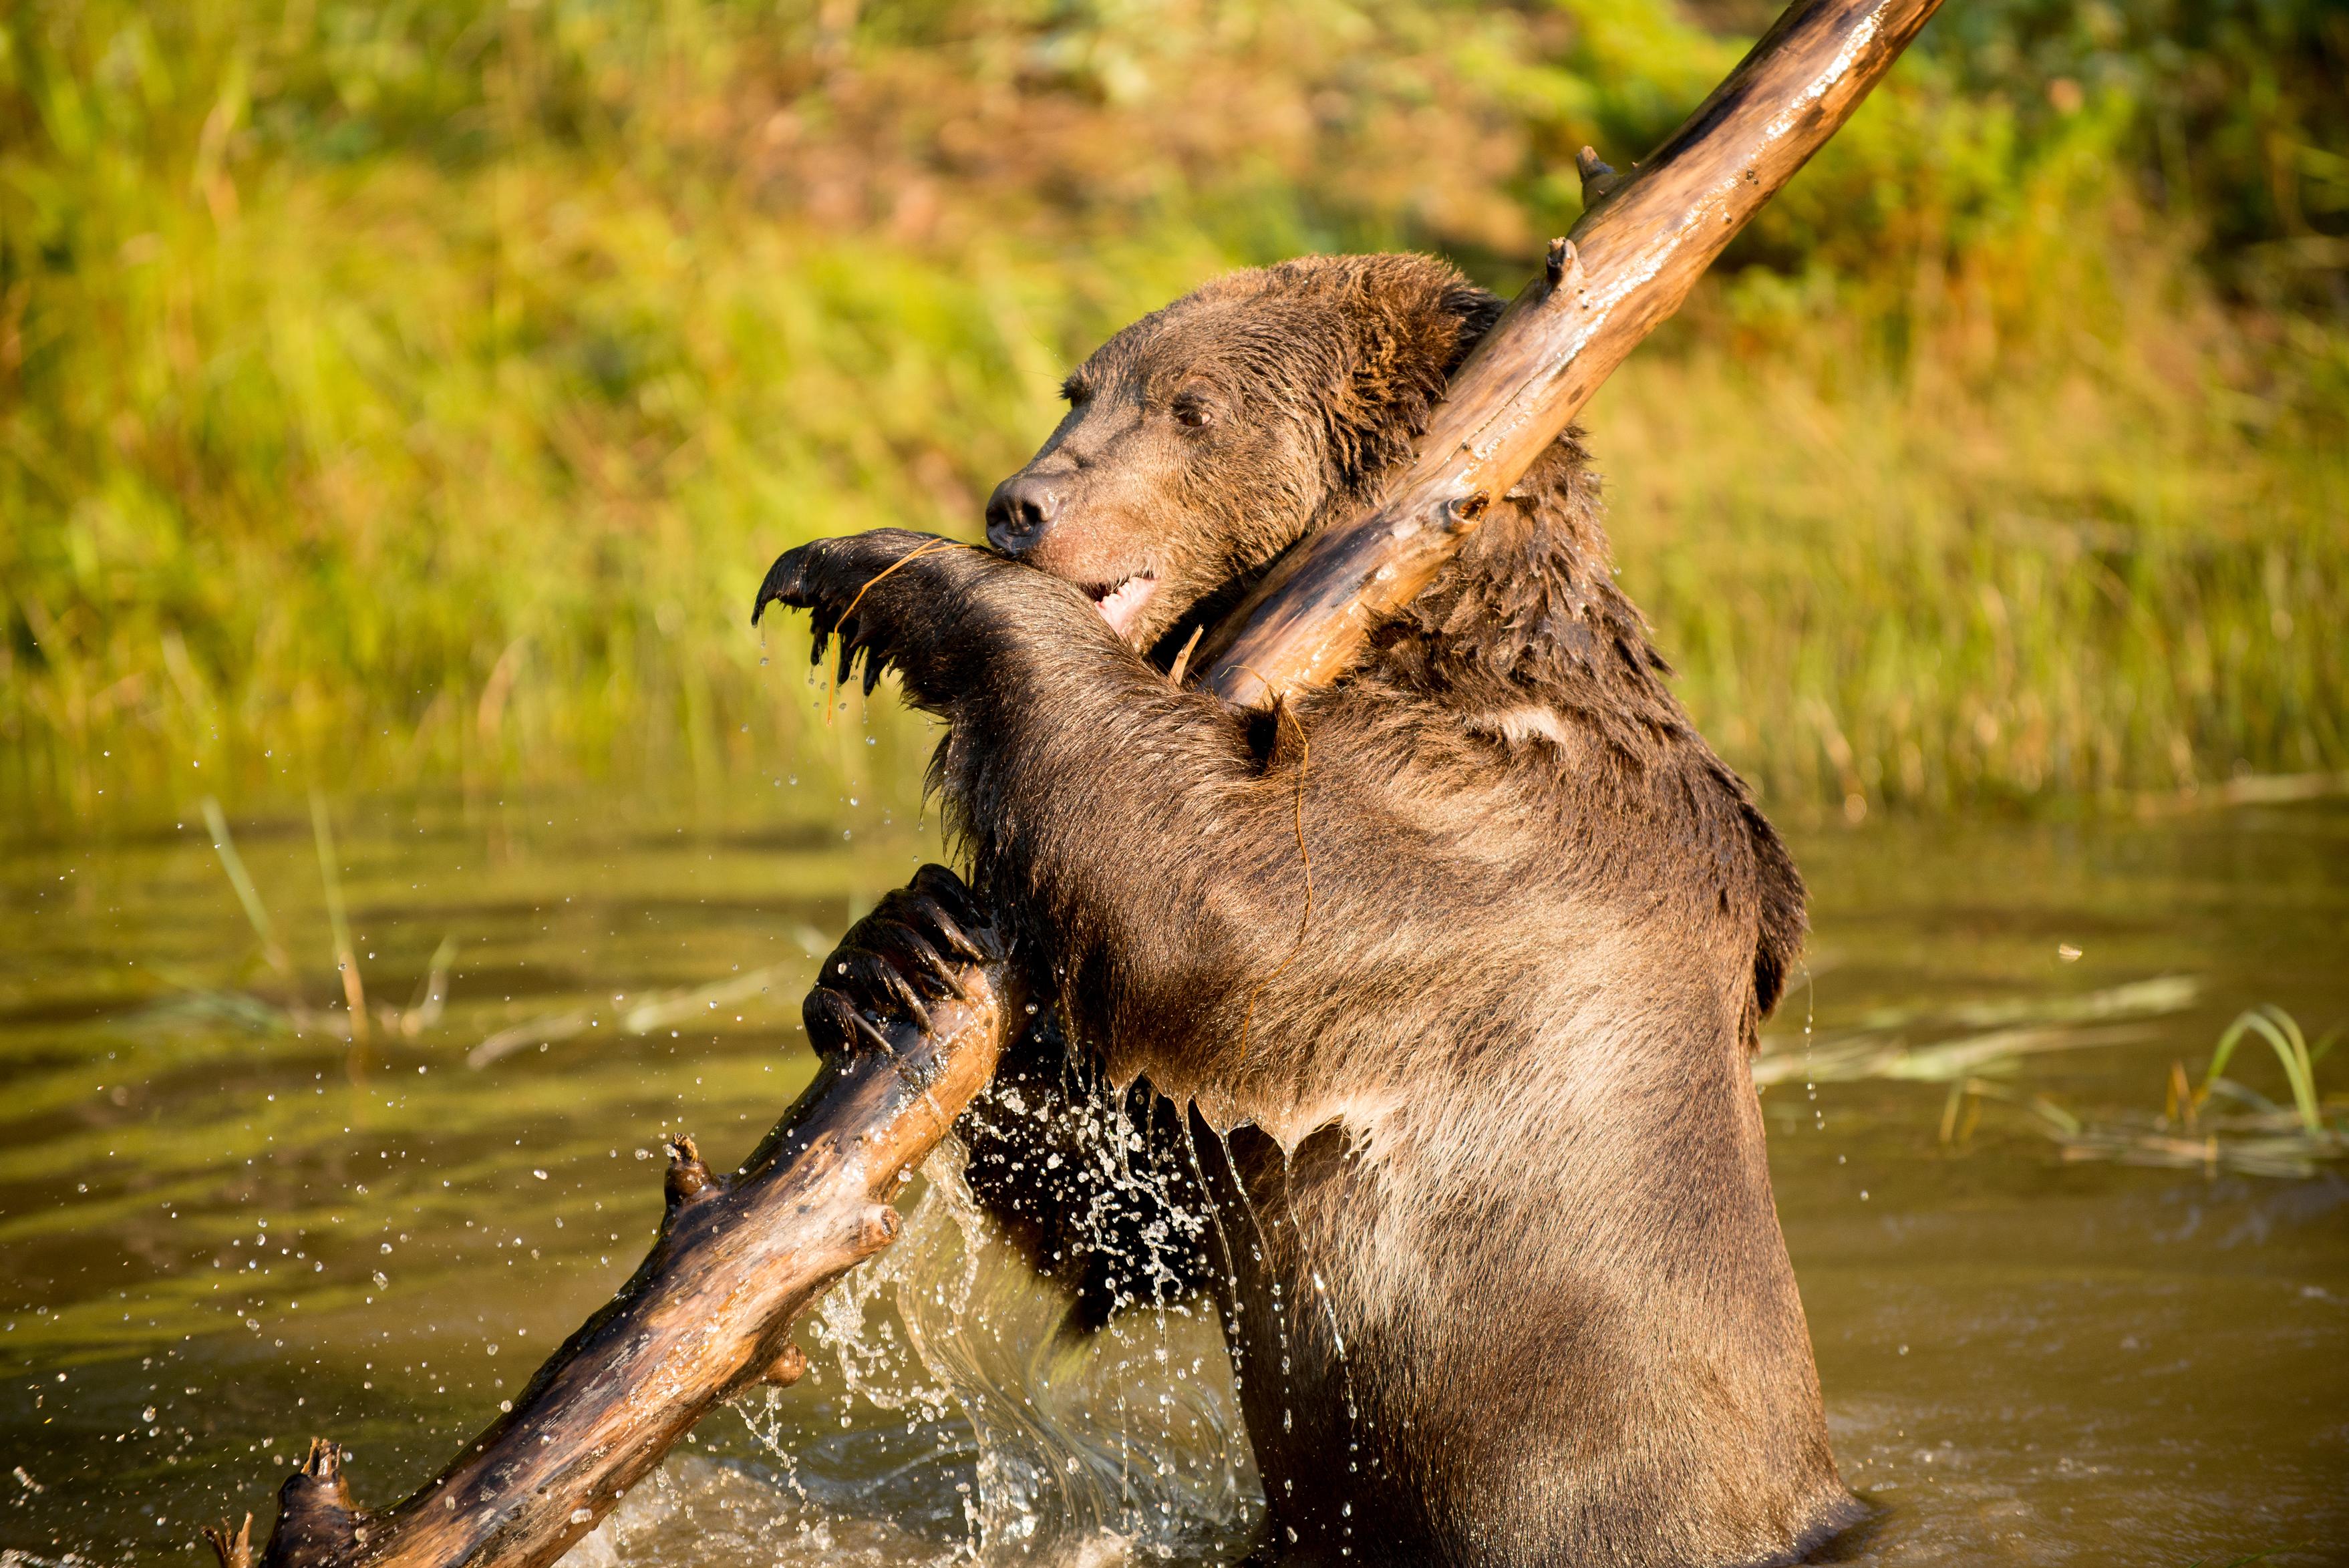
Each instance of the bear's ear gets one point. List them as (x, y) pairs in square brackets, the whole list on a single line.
[(1406, 323), (1474, 311)]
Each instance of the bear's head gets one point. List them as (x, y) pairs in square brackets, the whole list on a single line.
[(1207, 438)]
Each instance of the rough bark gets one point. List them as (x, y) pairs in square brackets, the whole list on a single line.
[(709, 1312)]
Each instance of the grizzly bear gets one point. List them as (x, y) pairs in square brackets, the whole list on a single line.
[(1432, 990)]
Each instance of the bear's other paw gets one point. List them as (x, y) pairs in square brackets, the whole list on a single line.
[(896, 960)]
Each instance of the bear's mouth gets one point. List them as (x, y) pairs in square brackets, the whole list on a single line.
[(1121, 600)]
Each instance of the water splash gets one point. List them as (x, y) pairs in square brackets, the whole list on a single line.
[(1120, 1445)]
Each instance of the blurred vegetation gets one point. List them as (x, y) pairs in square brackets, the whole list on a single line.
[(400, 392)]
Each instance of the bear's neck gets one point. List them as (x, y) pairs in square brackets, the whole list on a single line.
[(1529, 611)]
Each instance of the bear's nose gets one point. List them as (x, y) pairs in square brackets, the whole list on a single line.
[(1020, 512)]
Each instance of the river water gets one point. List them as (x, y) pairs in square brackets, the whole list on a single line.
[(2052, 1327)]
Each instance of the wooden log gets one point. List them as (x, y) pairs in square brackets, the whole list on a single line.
[(706, 1316), (1641, 243), (738, 1259)]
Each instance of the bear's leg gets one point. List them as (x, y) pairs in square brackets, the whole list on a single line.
[(1309, 1386), (1490, 1372)]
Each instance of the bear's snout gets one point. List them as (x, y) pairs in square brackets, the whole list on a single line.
[(1020, 512)]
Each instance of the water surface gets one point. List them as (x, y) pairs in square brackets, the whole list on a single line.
[(225, 1227)]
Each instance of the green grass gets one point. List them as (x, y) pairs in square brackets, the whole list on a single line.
[(2001, 1040), (1897, 594), (395, 396)]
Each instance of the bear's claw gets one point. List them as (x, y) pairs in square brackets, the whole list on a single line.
[(835, 580), (894, 961)]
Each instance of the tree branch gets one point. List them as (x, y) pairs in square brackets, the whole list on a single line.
[(738, 1259), (1628, 265), (706, 1316)]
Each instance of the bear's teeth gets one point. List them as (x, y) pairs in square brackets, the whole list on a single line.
[(1121, 603)]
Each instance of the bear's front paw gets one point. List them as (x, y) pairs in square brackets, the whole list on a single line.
[(890, 595), (894, 962)]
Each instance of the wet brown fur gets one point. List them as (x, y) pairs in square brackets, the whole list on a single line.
[(1488, 1123)]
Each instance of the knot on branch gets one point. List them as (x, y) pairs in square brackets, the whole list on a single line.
[(688, 1178), (1600, 179), (1462, 513), (876, 1228), (1562, 269), (787, 1368)]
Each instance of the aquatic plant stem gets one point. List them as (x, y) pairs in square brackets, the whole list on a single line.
[(346, 958), (247, 895)]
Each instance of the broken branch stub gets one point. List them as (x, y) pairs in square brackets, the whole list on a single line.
[(706, 1316), (1644, 239)]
